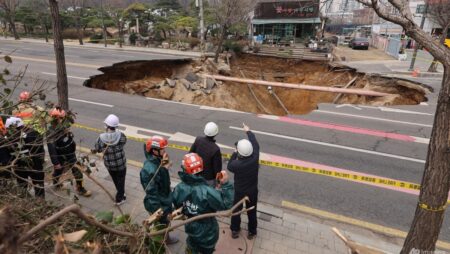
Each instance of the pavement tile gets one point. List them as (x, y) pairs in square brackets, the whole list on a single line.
[(276, 221), (289, 242), (268, 245), (314, 249), (301, 228), (263, 233), (280, 249), (260, 251), (302, 246), (277, 238), (288, 225), (322, 242)]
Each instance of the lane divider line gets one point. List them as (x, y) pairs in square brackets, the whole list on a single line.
[(355, 222), (335, 146), (91, 102), (53, 61), (373, 118), (403, 186), (347, 128), (54, 74)]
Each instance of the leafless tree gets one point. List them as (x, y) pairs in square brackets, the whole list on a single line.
[(439, 12), (61, 72), (78, 8), (9, 7), (228, 13), (430, 208)]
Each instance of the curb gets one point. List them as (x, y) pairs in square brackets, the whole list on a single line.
[(88, 45), (421, 74)]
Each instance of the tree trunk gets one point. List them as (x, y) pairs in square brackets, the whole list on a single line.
[(61, 73), (120, 34), (427, 222), (13, 27), (79, 30), (435, 63), (219, 45), (46, 33)]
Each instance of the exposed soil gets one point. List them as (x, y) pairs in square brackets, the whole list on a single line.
[(148, 78)]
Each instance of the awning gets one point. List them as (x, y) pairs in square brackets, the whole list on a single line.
[(286, 21)]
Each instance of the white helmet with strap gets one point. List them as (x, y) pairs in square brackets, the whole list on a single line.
[(244, 148), (112, 121), (211, 129)]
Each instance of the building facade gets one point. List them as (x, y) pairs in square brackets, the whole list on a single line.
[(277, 21)]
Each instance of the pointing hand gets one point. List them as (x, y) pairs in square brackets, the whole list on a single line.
[(246, 128)]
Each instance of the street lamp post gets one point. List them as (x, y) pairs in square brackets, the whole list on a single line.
[(416, 46)]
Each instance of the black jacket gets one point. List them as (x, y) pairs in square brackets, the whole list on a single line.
[(209, 151), (61, 147), (246, 169), (28, 147)]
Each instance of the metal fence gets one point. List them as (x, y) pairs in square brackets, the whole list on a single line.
[(390, 45), (393, 47)]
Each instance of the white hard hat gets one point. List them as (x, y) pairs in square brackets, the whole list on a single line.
[(244, 148), (211, 129), (13, 121), (112, 121)]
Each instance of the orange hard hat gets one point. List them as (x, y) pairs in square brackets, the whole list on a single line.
[(2, 127), (192, 163), (24, 96), (57, 113), (156, 142)]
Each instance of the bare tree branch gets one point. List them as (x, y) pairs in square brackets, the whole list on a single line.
[(75, 209)]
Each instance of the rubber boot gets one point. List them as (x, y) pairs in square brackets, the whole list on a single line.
[(81, 190)]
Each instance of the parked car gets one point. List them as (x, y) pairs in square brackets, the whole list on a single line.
[(362, 43)]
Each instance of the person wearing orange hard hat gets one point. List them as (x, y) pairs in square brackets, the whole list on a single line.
[(196, 197), (31, 114), (62, 147), (155, 180)]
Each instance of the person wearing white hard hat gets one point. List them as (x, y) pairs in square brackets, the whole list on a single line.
[(244, 163), (111, 143), (209, 151), (26, 147)]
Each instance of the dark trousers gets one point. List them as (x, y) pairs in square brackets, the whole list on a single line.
[(37, 177), (252, 219), (118, 178), (77, 174)]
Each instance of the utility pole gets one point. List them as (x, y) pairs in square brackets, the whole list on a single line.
[(416, 46), (103, 22), (199, 4)]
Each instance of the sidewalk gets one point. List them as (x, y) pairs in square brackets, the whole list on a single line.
[(279, 230), (74, 43), (390, 65)]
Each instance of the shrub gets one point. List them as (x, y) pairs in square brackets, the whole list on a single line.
[(234, 46)]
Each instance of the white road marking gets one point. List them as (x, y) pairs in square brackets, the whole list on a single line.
[(91, 102), (373, 118), (348, 105), (175, 102), (54, 74), (222, 109), (335, 146), (176, 137), (423, 104), (396, 110)]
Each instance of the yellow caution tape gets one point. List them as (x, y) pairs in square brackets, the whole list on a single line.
[(315, 171), (431, 208)]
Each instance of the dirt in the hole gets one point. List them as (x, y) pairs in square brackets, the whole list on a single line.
[(149, 78)]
